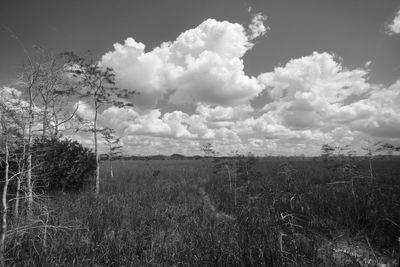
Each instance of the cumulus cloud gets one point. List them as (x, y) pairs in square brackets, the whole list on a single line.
[(9, 93), (174, 124), (84, 111), (214, 80), (394, 26), (381, 111), (224, 38), (315, 100), (136, 70), (228, 129), (257, 27), (220, 113), (318, 74), (178, 125), (310, 90), (203, 64), (10, 100), (312, 100)]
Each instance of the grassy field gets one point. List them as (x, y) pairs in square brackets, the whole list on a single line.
[(234, 212)]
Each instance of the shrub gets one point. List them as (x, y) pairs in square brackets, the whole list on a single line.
[(62, 164)]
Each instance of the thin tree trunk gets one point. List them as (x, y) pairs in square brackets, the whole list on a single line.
[(21, 169), (31, 116), (96, 150), (229, 177), (235, 191), (370, 169), (248, 184), (16, 208), (4, 200), (111, 170), (29, 156), (55, 121), (44, 122)]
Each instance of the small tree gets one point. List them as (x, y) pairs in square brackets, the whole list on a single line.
[(113, 147), (371, 150), (97, 84), (326, 151)]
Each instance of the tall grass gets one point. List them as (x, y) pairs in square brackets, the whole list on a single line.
[(152, 213)]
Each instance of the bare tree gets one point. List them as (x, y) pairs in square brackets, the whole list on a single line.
[(9, 123), (29, 78), (53, 92), (113, 147), (97, 84), (47, 86), (20, 159), (371, 149), (42, 83), (5, 140)]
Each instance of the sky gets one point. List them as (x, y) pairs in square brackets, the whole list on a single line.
[(267, 77)]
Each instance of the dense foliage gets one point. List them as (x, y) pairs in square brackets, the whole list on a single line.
[(62, 164)]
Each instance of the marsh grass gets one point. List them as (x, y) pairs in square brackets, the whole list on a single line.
[(142, 219)]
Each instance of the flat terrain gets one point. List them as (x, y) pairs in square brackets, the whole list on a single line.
[(226, 212)]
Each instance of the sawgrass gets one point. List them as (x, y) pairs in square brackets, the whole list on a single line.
[(154, 213)]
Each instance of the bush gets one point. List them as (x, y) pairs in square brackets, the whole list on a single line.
[(62, 164)]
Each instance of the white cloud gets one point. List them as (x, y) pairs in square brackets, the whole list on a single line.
[(383, 105), (9, 93), (118, 118), (247, 132), (149, 124), (310, 92), (212, 79), (203, 64), (224, 38), (220, 113), (10, 100), (317, 99), (136, 70), (257, 27), (84, 110), (394, 26), (313, 99), (319, 74)]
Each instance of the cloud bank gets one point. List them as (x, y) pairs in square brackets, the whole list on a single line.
[(315, 100), (309, 101)]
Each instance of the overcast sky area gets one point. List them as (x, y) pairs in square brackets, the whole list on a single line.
[(267, 77)]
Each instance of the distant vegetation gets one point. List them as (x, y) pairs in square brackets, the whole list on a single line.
[(271, 158)]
